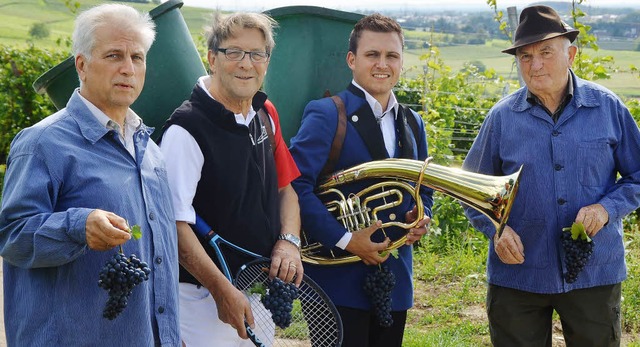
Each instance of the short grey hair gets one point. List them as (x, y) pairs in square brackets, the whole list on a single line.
[(112, 15), (222, 29)]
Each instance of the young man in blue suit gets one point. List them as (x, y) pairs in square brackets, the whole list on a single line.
[(377, 127)]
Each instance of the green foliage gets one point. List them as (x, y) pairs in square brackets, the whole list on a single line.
[(39, 31), (586, 66), (20, 105)]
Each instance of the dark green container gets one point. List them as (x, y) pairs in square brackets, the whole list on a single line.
[(173, 67), (309, 59)]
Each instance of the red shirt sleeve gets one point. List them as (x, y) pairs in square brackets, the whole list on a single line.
[(285, 165)]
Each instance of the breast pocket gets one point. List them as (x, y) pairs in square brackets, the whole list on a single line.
[(595, 163)]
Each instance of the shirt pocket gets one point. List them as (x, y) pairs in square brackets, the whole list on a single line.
[(595, 163)]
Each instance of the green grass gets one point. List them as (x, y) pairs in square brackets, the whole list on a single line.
[(450, 291)]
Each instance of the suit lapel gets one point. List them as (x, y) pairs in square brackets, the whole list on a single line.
[(404, 133), (365, 123)]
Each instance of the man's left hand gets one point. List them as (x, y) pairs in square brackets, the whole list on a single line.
[(419, 229), (593, 217), (286, 263)]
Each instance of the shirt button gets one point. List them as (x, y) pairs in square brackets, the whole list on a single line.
[(159, 260), (555, 133), (160, 309), (558, 167), (561, 201), (152, 216)]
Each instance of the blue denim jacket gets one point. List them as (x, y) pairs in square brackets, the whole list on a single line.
[(58, 171), (567, 165)]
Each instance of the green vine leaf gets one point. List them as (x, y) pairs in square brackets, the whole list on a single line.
[(577, 231), (135, 232)]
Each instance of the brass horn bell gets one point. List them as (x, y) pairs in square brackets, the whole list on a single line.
[(491, 195)]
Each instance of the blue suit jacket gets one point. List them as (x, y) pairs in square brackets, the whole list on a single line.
[(363, 142)]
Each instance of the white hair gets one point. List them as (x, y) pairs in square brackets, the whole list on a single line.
[(111, 15)]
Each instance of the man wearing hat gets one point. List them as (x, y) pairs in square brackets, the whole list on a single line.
[(578, 146)]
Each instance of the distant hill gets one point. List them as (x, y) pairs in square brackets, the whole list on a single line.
[(18, 17)]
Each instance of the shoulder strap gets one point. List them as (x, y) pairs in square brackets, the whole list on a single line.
[(338, 138), (411, 119), (264, 119)]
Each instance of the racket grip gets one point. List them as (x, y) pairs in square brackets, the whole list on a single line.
[(202, 228), (252, 336)]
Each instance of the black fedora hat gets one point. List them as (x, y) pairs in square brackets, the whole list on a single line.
[(539, 23)]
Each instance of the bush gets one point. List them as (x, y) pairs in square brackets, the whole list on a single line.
[(20, 105), (39, 31)]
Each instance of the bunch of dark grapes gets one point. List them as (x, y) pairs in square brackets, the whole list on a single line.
[(118, 277), (378, 286), (576, 255), (279, 301)]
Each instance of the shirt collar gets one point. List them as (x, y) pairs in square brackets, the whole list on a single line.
[(376, 107), (534, 100), (205, 81), (132, 120)]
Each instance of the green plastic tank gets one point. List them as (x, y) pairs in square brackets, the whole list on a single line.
[(173, 67), (308, 60)]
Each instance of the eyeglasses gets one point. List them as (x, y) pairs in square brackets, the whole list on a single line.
[(238, 55)]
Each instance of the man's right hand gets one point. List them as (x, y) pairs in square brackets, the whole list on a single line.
[(362, 246), (508, 247), (105, 230), (233, 308)]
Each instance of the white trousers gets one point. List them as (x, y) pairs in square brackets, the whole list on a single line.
[(200, 326)]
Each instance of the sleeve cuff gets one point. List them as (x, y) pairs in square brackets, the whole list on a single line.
[(344, 241)]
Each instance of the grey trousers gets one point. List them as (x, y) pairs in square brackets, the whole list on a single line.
[(590, 317)]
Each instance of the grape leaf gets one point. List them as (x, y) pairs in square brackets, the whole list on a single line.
[(135, 232), (394, 253), (577, 231)]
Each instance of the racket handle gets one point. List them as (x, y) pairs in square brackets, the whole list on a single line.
[(202, 228), (252, 336)]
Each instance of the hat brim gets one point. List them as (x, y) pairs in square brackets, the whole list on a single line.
[(571, 35)]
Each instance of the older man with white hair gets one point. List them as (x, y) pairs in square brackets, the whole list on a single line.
[(579, 148), (75, 182)]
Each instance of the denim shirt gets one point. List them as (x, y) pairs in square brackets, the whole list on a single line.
[(59, 171), (590, 155)]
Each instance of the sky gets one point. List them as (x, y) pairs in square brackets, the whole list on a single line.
[(347, 5)]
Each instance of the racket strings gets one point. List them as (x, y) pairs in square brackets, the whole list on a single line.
[(313, 323)]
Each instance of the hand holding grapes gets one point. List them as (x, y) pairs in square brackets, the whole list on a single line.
[(593, 217), (105, 230)]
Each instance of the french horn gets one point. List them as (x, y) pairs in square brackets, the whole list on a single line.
[(491, 195)]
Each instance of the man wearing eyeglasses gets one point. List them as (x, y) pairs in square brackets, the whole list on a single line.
[(229, 164)]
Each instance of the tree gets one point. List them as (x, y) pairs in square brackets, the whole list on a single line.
[(39, 31)]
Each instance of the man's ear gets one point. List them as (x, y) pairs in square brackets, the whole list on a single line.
[(351, 58), (211, 58), (81, 66), (572, 54)]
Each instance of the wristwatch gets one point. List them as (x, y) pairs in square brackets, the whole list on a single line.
[(291, 238)]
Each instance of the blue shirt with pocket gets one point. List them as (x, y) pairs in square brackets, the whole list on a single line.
[(58, 172), (591, 155)]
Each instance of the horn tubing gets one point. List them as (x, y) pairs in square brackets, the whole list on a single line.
[(493, 196)]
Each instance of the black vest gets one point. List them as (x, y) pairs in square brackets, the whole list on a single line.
[(237, 194)]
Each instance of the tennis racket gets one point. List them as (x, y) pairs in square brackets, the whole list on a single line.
[(314, 319)]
